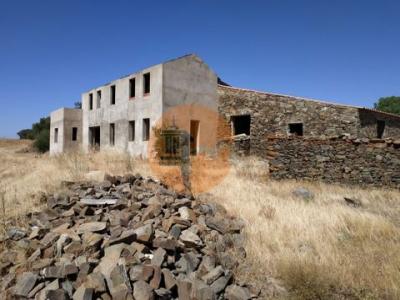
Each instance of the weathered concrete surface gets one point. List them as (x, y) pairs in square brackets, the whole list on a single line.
[(64, 119)]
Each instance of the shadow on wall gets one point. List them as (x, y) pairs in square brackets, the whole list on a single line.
[(375, 124)]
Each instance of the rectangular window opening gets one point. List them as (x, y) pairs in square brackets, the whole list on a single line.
[(380, 128), (112, 95), (146, 129), (132, 88), (112, 134), (74, 133), (131, 131), (55, 135), (146, 83), (98, 99), (90, 101), (296, 129), (241, 124)]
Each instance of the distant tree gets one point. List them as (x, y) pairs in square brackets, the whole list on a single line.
[(25, 134), (40, 132), (388, 104), (78, 104)]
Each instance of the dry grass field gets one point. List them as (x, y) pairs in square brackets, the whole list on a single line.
[(320, 248)]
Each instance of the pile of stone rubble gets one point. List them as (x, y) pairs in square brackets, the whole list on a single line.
[(124, 238)]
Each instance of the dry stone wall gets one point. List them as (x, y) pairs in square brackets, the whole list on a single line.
[(346, 161), (272, 114)]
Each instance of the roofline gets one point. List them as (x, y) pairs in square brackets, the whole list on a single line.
[(313, 100), (295, 97), (137, 71)]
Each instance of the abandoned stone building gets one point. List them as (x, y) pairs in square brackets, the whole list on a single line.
[(121, 114)]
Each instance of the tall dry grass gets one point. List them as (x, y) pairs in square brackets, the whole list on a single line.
[(317, 249), (25, 175)]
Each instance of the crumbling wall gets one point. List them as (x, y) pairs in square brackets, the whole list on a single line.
[(271, 114), (347, 161)]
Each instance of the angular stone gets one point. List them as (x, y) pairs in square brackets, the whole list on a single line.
[(69, 269), (188, 263), (54, 285), (92, 227), (35, 290), (16, 233), (96, 281), (49, 239), (58, 294), (163, 293), (219, 285), (25, 284), (158, 257), (166, 243), (135, 272), (155, 281), (202, 291), (147, 272), (213, 275), (52, 272), (74, 247), (127, 237), (217, 223), (90, 201), (144, 233), (304, 193), (83, 293), (184, 289), (142, 291), (190, 239), (235, 292), (92, 241), (169, 279), (118, 281)]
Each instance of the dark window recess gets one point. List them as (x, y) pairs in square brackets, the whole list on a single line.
[(112, 134), (146, 129), (98, 99), (131, 131), (74, 133), (380, 128), (112, 95), (241, 124), (296, 129), (132, 88), (90, 101), (146, 83), (55, 135)]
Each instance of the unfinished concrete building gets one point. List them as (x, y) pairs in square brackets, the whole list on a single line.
[(120, 114)]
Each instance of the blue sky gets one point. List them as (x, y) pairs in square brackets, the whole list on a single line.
[(52, 51)]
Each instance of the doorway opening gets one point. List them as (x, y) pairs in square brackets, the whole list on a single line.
[(194, 137), (94, 137), (380, 128)]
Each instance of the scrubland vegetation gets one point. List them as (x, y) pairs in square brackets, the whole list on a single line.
[(319, 248)]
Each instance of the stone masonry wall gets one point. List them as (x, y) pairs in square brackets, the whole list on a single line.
[(346, 161), (271, 114)]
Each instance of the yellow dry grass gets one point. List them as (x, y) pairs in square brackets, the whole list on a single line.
[(317, 249)]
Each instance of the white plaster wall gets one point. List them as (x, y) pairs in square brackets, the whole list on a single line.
[(57, 121), (124, 110)]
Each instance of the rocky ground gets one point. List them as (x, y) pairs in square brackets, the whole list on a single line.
[(124, 238)]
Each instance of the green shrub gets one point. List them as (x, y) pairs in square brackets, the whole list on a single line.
[(42, 140)]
